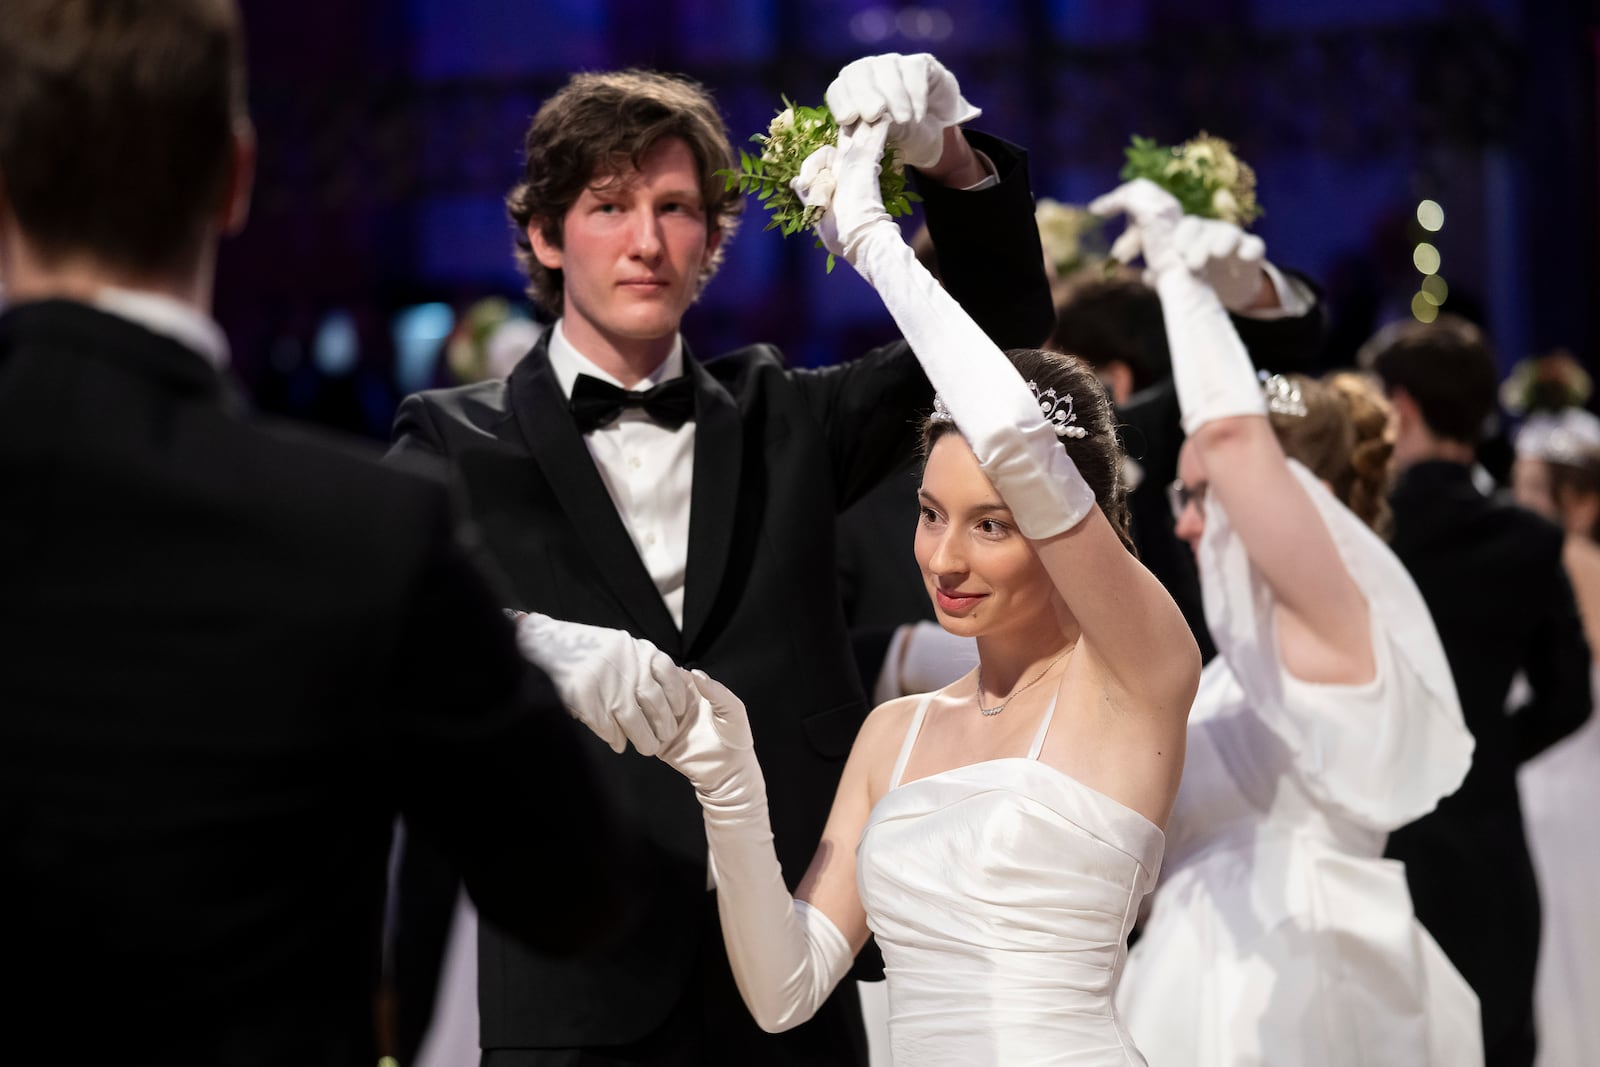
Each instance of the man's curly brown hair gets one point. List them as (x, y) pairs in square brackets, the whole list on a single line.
[(600, 124)]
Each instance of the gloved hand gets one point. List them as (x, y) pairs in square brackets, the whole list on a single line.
[(918, 95), (1219, 253), (843, 181), (712, 745), (1210, 367), (1001, 419), (622, 688)]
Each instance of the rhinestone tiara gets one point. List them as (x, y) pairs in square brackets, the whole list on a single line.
[(1057, 408), (1282, 395)]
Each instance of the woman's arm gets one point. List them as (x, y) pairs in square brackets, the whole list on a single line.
[(1122, 610), (1324, 630), (787, 953)]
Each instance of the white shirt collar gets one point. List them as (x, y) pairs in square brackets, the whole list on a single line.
[(568, 363), (168, 317)]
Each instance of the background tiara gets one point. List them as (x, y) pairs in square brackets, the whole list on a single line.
[(1282, 395)]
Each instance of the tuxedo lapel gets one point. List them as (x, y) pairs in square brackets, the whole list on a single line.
[(555, 444), (718, 457)]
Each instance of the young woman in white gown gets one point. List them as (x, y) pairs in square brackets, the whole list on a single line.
[(998, 835), (1557, 474), (1279, 935)]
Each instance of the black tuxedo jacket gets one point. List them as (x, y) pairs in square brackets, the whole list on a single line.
[(231, 655), (1492, 576), (778, 453)]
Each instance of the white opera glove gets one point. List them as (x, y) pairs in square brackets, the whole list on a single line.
[(923, 657), (622, 688), (1210, 367), (917, 94), (1002, 420), (786, 956)]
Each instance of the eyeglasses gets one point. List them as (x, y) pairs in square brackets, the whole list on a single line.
[(1180, 496)]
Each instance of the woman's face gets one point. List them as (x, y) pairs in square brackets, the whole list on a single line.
[(980, 571), (1530, 486)]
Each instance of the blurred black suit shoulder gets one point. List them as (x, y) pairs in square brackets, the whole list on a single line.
[(233, 652), (1492, 576)]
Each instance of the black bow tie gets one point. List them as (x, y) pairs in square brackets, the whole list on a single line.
[(596, 403)]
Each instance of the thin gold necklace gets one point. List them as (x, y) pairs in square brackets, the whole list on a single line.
[(977, 698)]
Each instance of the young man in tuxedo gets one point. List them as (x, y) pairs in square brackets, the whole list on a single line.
[(624, 484), (1492, 576), (232, 652)]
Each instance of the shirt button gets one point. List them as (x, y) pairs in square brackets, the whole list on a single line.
[(649, 538), (633, 461)]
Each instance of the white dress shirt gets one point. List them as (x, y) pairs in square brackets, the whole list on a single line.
[(647, 468), (168, 317)]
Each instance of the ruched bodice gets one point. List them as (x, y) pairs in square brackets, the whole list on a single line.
[(1001, 894)]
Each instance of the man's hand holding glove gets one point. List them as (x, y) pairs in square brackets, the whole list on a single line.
[(998, 415), (622, 688), (1210, 367), (1221, 254), (916, 94)]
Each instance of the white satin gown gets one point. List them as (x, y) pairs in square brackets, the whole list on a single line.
[(1560, 796), (1279, 936), (1001, 894)]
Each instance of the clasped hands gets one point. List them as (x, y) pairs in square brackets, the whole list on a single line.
[(910, 100), (624, 689), (1219, 253)]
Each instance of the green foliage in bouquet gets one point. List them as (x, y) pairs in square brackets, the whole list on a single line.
[(793, 135), (1552, 382), (1203, 173)]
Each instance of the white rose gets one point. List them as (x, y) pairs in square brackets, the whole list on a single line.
[(1224, 206), (1227, 169), (1199, 155), (782, 123)]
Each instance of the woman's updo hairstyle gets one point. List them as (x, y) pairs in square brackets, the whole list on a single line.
[(1344, 439), (1097, 453)]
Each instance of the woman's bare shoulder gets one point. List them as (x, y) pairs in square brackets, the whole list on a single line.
[(887, 724)]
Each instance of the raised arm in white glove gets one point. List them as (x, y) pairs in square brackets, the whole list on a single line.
[(1210, 367), (998, 415), (918, 96), (786, 956), (623, 688)]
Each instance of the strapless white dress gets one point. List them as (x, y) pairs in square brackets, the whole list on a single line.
[(1001, 894)]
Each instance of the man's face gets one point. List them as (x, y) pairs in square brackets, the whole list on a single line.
[(633, 246)]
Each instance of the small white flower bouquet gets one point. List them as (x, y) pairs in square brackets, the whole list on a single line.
[(1203, 173), (1072, 237), (793, 135)]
